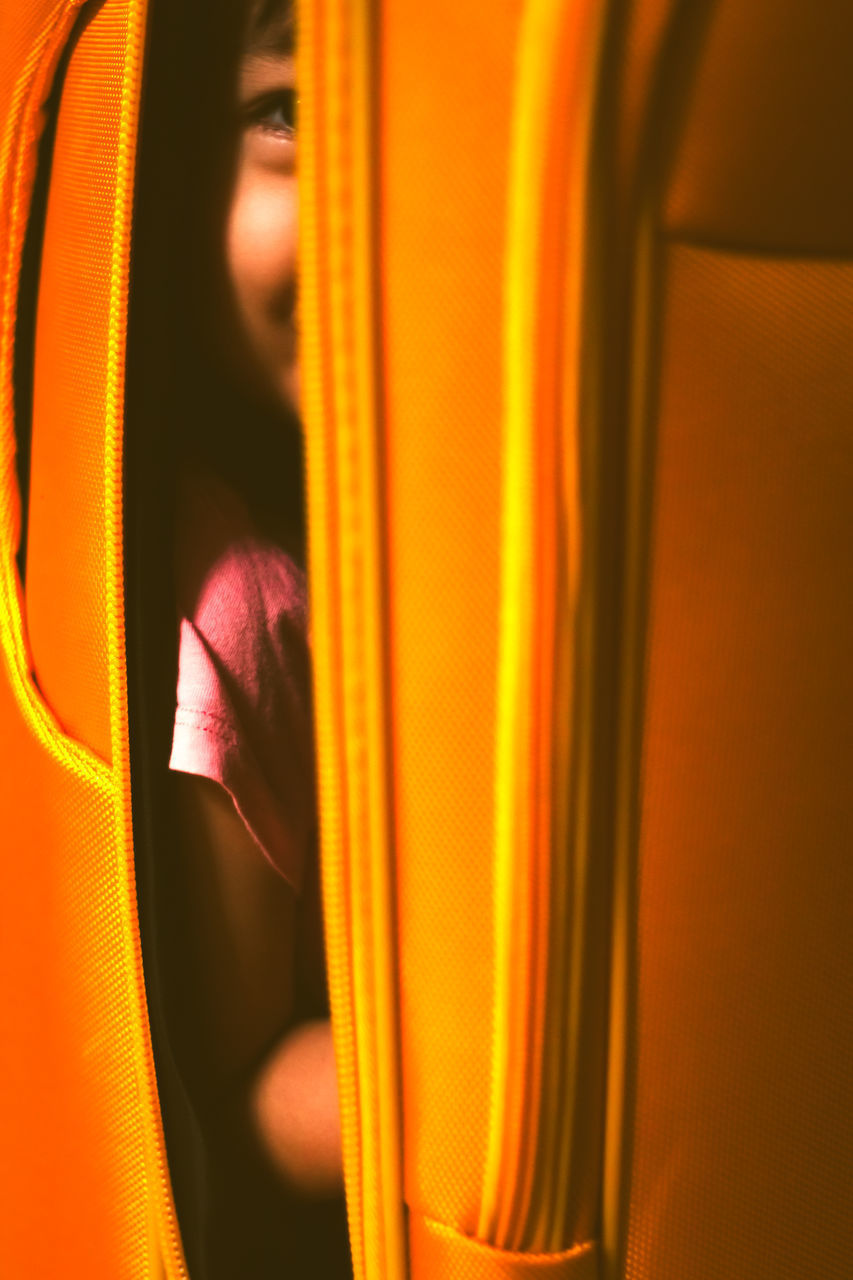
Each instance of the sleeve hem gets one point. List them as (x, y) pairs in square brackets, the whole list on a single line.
[(203, 750)]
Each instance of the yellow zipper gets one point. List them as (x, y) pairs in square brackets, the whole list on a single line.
[(340, 403)]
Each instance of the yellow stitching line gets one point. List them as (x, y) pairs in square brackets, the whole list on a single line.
[(169, 1240), (20, 139)]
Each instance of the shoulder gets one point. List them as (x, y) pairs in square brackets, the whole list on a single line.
[(230, 578), (243, 714), (244, 599)]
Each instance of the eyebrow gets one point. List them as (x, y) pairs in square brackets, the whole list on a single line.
[(272, 30)]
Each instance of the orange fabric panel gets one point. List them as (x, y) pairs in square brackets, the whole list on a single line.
[(21, 29), (744, 1126), (442, 224), (66, 553), (72, 1181), (65, 1163), (84, 1187), (31, 41)]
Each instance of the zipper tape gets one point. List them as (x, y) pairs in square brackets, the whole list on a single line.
[(340, 361)]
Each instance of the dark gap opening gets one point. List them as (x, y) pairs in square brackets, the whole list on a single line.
[(236, 1221), (151, 393)]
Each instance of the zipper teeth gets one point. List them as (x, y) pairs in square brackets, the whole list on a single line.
[(542, 774), (353, 302), (169, 1239), (340, 405), (323, 540)]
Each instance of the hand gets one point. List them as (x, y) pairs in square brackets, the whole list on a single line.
[(294, 1110)]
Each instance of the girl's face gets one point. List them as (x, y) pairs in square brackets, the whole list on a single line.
[(261, 218)]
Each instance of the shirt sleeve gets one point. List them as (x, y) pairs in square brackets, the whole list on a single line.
[(243, 716)]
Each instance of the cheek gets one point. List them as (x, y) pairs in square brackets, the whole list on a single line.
[(261, 254)]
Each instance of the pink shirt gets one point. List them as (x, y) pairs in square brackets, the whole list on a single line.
[(243, 713)]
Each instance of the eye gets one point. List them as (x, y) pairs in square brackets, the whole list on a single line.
[(274, 113)]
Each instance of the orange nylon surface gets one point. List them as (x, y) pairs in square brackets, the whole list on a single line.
[(66, 560), (83, 1186), (744, 1125), (442, 219), (63, 1163), (744, 1130)]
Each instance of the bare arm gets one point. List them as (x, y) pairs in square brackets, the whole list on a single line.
[(246, 1052)]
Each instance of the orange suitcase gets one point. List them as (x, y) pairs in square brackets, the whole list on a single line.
[(577, 319)]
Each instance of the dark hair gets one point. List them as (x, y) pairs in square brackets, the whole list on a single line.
[(255, 447), (275, 15)]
